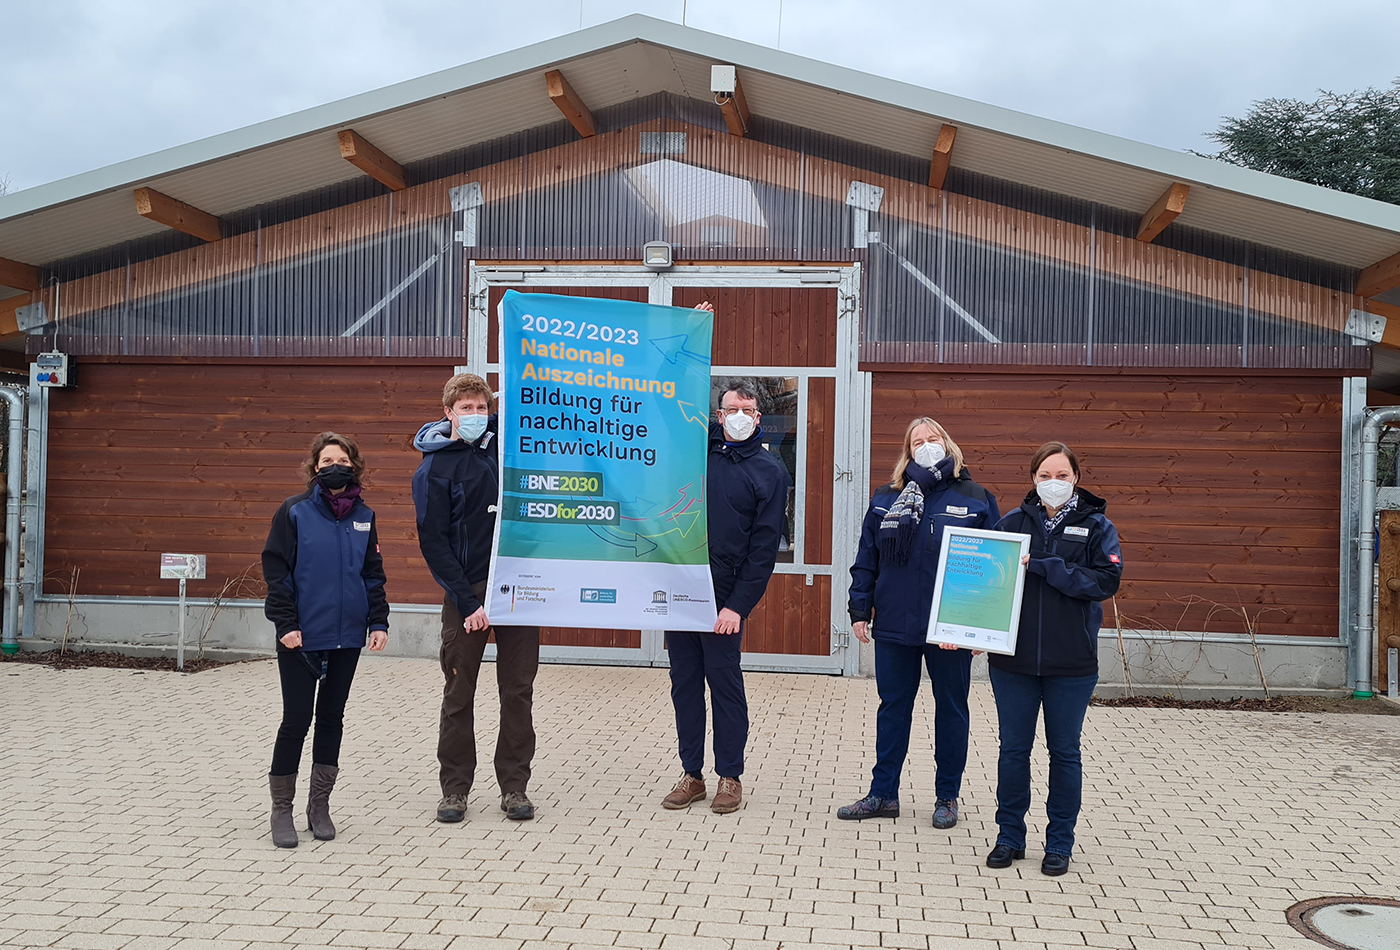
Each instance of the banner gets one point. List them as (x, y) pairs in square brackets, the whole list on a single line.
[(977, 594), (604, 435)]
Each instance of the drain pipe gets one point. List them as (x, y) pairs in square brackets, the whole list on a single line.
[(14, 399), (1366, 588)]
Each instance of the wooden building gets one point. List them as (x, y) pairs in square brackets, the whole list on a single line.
[(1203, 334)]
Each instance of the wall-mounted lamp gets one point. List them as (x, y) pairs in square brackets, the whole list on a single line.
[(657, 255)]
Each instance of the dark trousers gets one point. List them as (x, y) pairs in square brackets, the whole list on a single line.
[(897, 680), (305, 692), (517, 661), (1019, 701), (697, 659)]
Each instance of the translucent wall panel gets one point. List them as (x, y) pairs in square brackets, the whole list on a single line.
[(981, 272)]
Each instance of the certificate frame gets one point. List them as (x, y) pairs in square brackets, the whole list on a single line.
[(967, 612)]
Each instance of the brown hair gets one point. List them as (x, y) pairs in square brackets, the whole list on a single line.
[(466, 384), (1054, 448), (357, 462), (906, 456)]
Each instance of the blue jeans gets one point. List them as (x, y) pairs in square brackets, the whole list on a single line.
[(1019, 700), (697, 659), (897, 679)]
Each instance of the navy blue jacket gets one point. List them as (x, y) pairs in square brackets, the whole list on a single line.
[(454, 494), (324, 577), (747, 497), (900, 596), (1078, 565)]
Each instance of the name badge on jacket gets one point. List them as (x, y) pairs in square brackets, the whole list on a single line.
[(362, 525), (955, 511), (1078, 531)]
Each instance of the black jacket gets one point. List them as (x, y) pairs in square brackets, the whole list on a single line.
[(1078, 565), (747, 498), (900, 596), (324, 577), (454, 495)]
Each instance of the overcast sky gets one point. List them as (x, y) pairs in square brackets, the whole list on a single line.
[(85, 83)]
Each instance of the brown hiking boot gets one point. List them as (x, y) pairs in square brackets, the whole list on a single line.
[(728, 797), (687, 790)]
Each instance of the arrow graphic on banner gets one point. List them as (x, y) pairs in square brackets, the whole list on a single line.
[(672, 349), (640, 544), (686, 413)]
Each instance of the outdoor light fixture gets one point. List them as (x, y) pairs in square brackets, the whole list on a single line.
[(657, 255)]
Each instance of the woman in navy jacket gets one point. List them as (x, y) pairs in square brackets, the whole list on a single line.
[(1074, 563), (325, 592), (892, 584)]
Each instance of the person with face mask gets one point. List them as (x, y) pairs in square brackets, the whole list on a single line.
[(891, 598), (747, 494), (325, 597), (1074, 564), (454, 494)]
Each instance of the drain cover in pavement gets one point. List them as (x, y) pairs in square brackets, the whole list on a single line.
[(1349, 923)]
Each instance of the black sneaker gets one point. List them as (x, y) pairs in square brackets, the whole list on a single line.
[(517, 806), (869, 807), (945, 813), (452, 808)]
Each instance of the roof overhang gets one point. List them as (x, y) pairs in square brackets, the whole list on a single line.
[(637, 56)]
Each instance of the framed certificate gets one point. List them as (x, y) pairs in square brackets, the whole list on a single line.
[(977, 596)]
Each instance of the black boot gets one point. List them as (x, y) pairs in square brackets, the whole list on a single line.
[(284, 793), (318, 802)]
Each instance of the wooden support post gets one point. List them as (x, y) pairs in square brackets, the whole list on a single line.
[(166, 210), (358, 151), (1379, 277), (19, 276), (942, 155), (568, 102), (1163, 213), (735, 109)]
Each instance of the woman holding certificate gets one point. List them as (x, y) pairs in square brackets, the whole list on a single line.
[(892, 584), (1074, 563)]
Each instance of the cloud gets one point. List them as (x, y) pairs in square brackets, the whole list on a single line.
[(102, 82)]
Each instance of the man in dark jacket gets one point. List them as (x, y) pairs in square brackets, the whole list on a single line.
[(454, 492), (747, 496)]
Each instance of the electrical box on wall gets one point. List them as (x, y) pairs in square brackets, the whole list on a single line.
[(52, 369)]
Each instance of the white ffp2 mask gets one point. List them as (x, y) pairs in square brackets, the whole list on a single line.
[(738, 426), (929, 454), (1054, 492)]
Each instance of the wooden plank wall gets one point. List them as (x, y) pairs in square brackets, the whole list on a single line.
[(1224, 488), (196, 457)]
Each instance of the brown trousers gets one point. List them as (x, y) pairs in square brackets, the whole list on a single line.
[(517, 661)]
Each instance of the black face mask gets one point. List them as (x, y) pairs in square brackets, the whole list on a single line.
[(335, 477)]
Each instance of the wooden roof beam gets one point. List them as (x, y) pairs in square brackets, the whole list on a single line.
[(568, 102), (735, 109), (1379, 277), (942, 155), (166, 210), (19, 276), (1163, 213), (358, 151)]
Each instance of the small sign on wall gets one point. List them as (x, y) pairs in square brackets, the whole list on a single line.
[(182, 567)]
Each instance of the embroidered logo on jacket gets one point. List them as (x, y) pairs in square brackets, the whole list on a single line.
[(956, 511), (1078, 531), (361, 525), (1113, 558)]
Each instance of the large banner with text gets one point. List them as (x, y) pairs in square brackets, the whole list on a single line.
[(604, 433)]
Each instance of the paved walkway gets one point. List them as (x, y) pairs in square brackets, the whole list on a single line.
[(133, 814)]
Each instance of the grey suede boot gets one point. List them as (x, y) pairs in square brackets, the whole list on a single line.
[(284, 793), (318, 802)]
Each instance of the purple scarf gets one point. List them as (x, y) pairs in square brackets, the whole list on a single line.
[(341, 504)]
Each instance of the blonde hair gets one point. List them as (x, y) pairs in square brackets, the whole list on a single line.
[(906, 456)]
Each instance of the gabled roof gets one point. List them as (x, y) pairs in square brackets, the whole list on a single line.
[(637, 56)]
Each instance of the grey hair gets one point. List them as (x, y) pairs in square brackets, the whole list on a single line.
[(743, 388)]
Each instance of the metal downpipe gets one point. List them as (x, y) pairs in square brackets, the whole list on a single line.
[(1366, 583), (15, 401)]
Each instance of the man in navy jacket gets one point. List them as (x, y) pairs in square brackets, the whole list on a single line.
[(747, 495), (454, 492)]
